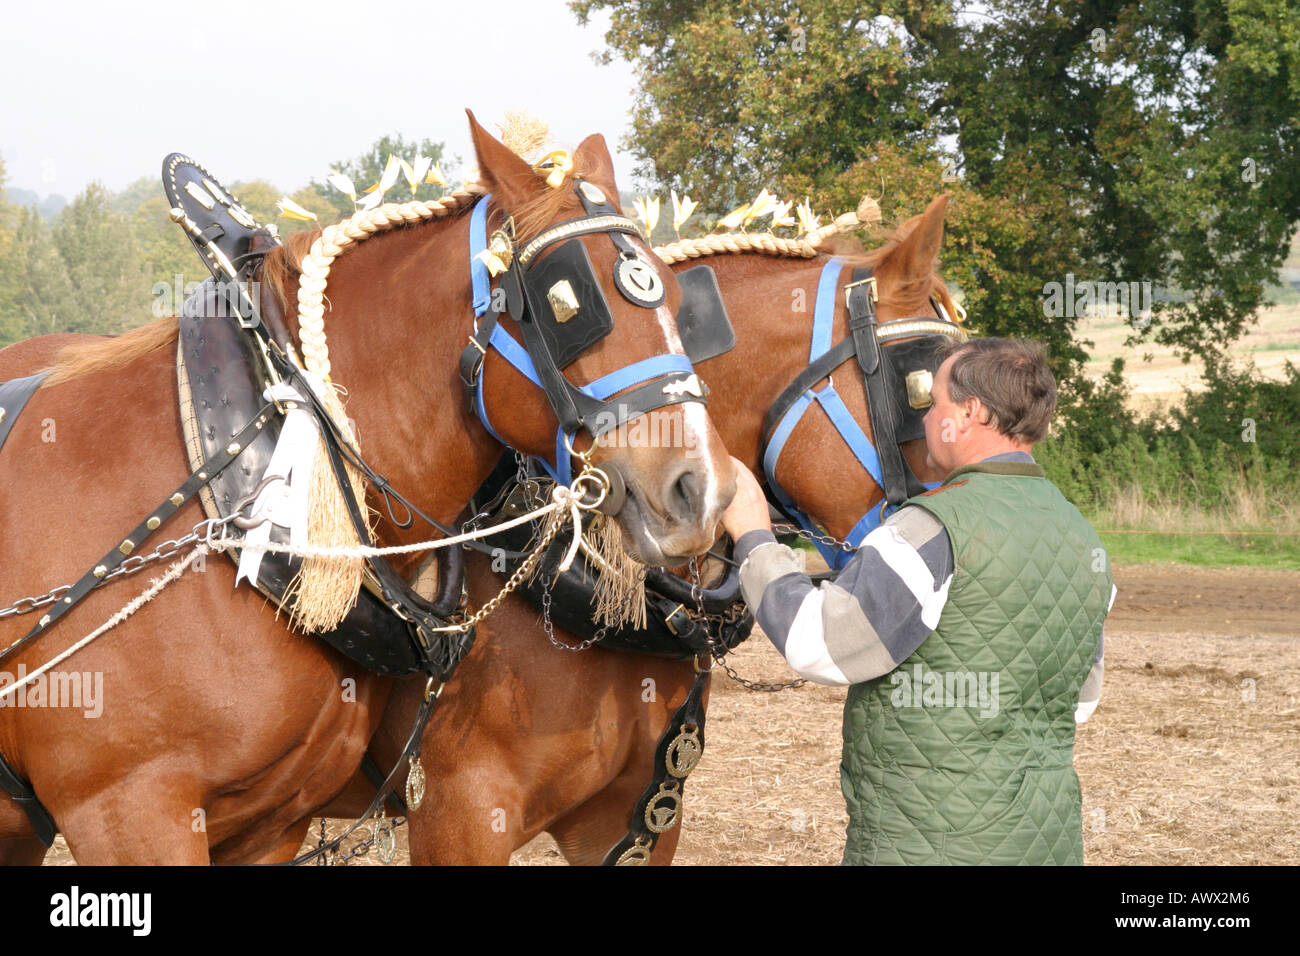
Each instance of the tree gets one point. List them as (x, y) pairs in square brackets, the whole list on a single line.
[(11, 324), (1111, 140), (43, 297), (110, 286)]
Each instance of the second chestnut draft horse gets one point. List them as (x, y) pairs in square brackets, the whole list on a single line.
[(531, 739), (222, 731)]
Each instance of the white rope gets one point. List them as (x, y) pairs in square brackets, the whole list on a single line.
[(173, 572), (564, 498)]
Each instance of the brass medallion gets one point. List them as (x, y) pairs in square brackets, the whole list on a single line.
[(638, 281), (638, 854), (385, 840), (564, 303), (664, 808), (918, 388), (415, 785), (684, 752), (593, 192)]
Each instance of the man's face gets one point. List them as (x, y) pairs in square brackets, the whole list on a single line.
[(944, 423)]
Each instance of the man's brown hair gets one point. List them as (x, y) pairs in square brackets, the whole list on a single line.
[(1011, 379)]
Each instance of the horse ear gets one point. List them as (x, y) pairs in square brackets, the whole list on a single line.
[(592, 157), (915, 255), (504, 174)]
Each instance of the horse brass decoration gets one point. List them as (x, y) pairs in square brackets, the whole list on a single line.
[(564, 303), (638, 854), (415, 785), (593, 192), (918, 388), (636, 279), (684, 752), (664, 808), (385, 840)]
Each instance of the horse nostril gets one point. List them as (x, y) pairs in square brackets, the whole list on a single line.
[(686, 493)]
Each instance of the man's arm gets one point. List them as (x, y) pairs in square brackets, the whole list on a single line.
[(867, 621), (1090, 692)]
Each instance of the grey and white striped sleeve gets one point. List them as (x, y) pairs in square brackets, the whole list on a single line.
[(871, 618)]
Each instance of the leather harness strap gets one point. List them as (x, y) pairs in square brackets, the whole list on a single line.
[(26, 798), (900, 483), (13, 396), (659, 808)]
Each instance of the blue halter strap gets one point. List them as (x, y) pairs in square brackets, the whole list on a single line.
[(828, 286), (514, 353)]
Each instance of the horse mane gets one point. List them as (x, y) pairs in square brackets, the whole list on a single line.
[(842, 247), (110, 352)]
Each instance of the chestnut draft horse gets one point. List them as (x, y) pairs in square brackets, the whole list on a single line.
[(222, 731), (530, 739)]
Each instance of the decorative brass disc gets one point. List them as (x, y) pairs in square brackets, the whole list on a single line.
[(415, 785), (638, 281), (593, 192), (664, 808), (638, 854), (684, 752), (385, 841)]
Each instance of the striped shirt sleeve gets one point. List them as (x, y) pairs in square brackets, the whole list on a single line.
[(871, 618)]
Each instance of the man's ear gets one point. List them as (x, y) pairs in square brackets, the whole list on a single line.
[(976, 411)]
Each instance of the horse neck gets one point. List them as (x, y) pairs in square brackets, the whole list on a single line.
[(770, 302), (400, 308)]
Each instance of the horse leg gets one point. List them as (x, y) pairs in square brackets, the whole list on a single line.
[(281, 847), (21, 852), (586, 834), (139, 820)]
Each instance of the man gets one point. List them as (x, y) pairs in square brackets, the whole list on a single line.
[(966, 624)]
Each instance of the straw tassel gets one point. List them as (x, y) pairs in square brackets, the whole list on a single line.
[(326, 589), (620, 581)]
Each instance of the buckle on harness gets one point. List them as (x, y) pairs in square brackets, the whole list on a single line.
[(868, 281)]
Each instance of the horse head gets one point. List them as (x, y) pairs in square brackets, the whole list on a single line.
[(628, 402)]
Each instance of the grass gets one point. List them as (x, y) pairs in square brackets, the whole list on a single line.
[(1204, 550), (1139, 528)]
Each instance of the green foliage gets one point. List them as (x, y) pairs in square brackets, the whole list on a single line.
[(1234, 443), (111, 289), (43, 298)]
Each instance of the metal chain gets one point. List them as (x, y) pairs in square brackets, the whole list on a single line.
[(167, 549), (335, 858), (549, 628), (720, 650), (814, 536)]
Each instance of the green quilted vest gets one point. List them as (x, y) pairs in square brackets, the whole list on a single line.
[(964, 753)]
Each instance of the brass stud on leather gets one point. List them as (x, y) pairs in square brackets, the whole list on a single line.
[(153, 523), (176, 499)]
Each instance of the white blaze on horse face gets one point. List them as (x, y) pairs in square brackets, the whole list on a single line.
[(695, 419), (668, 325)]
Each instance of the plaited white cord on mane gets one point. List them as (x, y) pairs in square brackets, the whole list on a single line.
[(867, 213), (326, 588)]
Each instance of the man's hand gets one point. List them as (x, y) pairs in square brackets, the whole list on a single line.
[(748, 510)]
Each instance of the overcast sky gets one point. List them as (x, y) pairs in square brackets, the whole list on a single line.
[(277, 90)]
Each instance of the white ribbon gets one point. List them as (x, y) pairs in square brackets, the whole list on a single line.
[(285, 501)]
